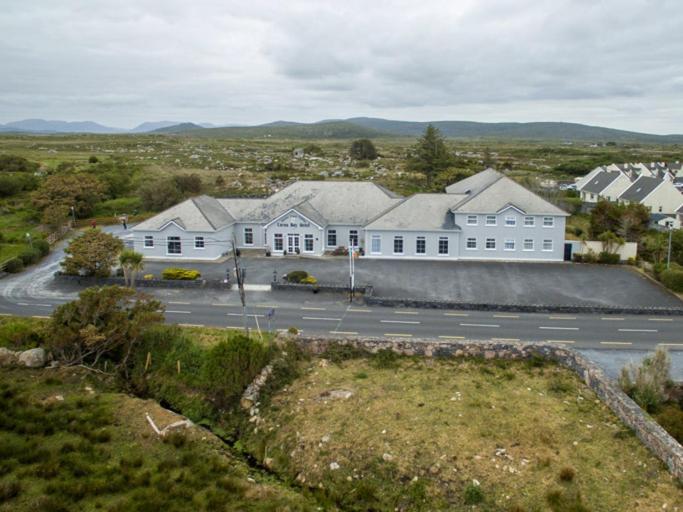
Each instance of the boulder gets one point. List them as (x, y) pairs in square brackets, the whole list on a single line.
[(7, 357), (33, 358)]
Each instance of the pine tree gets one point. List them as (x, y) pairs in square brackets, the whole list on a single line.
[(430, 155)]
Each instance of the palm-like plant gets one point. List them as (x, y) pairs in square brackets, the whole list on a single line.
[(131, 263)]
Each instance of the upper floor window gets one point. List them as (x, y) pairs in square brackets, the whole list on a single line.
[(490, 220), (332, 237), (248, 236), (510, 221), (548, 222), (529, 222), (472, 220)]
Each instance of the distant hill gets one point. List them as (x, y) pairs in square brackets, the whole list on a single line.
[(179, 128), (43, 126), (150, 126), (289, 130)]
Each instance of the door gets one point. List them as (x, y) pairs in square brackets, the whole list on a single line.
[(567, 252), (292, 243)]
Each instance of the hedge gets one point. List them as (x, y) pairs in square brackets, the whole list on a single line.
[(181, 274), (29, 256), (14, 265), (296, 276), (672, 279)]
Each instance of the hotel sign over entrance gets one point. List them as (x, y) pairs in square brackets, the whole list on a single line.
[(294, 222)]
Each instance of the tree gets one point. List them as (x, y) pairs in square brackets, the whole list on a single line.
[(159, 195), (93, 160), (629, 221), (635, 219), (430, 155), (80, 191), (12, 163), (131, 263), (105, 323), (92, 254), (610, 242), (189, 183), (363, 149)]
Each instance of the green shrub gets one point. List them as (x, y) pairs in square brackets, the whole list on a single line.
[(473, 494), (340, 251), (309, 280), (647, 384), (14, 265), (338, 353), (42, 246), (29, 256), (385, 359), (567, 474), (296, 276), (9, 490), (20, 333), (180, 274), (657, 269), (671, 419), (672, 279), (608, 258)]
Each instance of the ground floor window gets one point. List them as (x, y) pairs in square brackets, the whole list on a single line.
[(376, 244), (398, 244), (547, 245), (199, 242), (528, 244), (490, 244), (509, 245), (248, 236), (443, 245), (471, 243), (149, 241), (277, 242), (420, 245), (308, 243), (353, 238), (332, 237), (173, 245)]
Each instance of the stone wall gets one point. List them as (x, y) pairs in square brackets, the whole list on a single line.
[(657, 440), (140, 283)]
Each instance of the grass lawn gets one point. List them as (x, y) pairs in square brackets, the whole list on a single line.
[(422, 434), (67, 443)]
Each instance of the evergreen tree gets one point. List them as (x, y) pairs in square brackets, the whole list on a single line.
[(430, 155), (363, 149)]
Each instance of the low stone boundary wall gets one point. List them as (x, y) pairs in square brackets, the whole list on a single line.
[(653, 436), (323, 287), (140, 283)]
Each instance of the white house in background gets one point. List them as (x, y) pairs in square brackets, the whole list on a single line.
[(659, 195), (607, 185), (487, 216)]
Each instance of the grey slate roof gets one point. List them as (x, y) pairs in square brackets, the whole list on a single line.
[(600, 181), (424, 212), (476, 183), (202, 213), (640, 189)]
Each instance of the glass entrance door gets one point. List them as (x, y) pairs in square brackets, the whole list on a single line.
[(292, 243)]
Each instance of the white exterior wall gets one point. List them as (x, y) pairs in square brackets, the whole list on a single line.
[(518, 233), (664, 199), (612, 191), (342, 231), (410, 244), (215, 243), (298, 227), (257, 229), (589, 197)]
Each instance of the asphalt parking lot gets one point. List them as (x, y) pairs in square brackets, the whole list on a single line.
[(466, 281)]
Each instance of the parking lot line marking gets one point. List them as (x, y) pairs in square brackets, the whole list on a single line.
[(561, 318), (39, 316), (452, 337), (398, 335), (480, 325), (21, 304), (616, 343), (638, 330), (191, 325), (240, 314), (179, 303), (351, 333), (406, 312), (505, 316), (178, 311), (324, 318), (354, 310), (269, 306), (43, 305), (456, 314), (560, 341), (307, 308), (504, 339), (670, 344), (223, 305), (612, 318), (660, 319), (400, 321), (559, 328)]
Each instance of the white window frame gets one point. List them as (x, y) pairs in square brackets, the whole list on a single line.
[(281, 238), (490, 217), (467, 244), (309, 237), (421, 239), (251, 232), (472, 220), (443, 239), (524, 243), (551, 245), (378, 239), (486, 244), (510, 221), (507, 242), (148, 238), (332, 232), (180, 244), (201, 240), (396, 239), (528, 224), (354, 233), (548, 225)]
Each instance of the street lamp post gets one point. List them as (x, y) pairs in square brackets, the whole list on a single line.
[(73, 214), (30, 240), (668, 252)]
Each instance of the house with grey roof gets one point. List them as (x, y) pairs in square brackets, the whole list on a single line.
[(486, 216), (605, 184), (659, 195)]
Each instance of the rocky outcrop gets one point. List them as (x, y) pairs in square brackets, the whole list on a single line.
[(32, 358)]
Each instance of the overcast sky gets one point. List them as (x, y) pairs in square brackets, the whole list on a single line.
[(610, 63)]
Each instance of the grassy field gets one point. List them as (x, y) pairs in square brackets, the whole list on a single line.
[(421, 434), (67, 443)]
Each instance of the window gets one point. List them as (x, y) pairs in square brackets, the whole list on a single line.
[(528, 244), (398, 244), (353, 238), (443, 245), (376, 244), (547, 245), (199, 242), (472, 220), (529, 222), (511, 221), (548, 222), (308, 243), (490, 220), (509, 245), (490, 244), (248, 236), (278, 243), (471, 243), (420, 245), (173, 245), (660, 209), (332, 237), (149, 241)]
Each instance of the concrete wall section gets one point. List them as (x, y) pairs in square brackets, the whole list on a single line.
[(411, 241)]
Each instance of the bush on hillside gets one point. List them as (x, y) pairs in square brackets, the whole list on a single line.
[(42, 246), (647, 384), (296, 276), (671, 419), (672, 278), (608, 258), (14, 265), (29, 256), (180, 274)]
